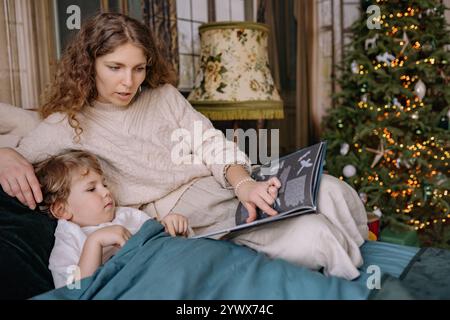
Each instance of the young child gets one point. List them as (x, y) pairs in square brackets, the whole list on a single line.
[(90, 228)]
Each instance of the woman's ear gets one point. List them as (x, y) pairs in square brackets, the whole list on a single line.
[(58, 210)]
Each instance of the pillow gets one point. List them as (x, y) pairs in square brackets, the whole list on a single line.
[(26, 240), (17, 121), (9, 140)]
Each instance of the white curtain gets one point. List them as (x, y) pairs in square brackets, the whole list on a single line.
[(28, 51)]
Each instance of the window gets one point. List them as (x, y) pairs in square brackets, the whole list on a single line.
[(335, 18), (191, 14), (87, 8), (230, 10), (63, 13)]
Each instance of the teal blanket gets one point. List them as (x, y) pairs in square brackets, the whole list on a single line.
[(153, 265)]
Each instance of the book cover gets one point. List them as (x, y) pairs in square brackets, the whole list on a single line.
[(299, 174)]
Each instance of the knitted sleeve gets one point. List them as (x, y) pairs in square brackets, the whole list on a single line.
[(50, 137), (206, 142)]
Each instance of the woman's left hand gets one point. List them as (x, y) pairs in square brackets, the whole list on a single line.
[(261, 194)]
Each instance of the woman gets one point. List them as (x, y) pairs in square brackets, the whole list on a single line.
[(113, 95)]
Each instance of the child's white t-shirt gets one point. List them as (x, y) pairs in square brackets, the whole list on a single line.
[(70, 238)]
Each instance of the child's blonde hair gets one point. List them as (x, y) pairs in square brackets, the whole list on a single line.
[(55, 174)]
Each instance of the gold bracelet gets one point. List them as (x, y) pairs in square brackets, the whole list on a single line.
[(248, 179)]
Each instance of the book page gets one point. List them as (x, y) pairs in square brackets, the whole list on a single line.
[(296, 173), (299, 174)]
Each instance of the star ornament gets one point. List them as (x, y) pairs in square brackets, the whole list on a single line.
[(404, 41), (379, 154)]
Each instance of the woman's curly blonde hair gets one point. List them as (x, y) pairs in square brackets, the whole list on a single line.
[(73, 87)]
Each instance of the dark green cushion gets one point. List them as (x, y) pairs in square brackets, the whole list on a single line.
[(26, 240)]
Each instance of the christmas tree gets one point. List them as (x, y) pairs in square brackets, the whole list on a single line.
[(388, 134)]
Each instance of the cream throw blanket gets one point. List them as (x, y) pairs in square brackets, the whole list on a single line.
[(15, 122)]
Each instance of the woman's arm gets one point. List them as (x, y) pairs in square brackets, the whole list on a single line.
[(206, 143), (251, 193), (235, 174), (17, 178), (220, 154)]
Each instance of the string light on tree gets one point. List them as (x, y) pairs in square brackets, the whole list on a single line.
[(395, 93)]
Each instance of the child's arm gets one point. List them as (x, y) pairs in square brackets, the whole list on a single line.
[(91, 255)]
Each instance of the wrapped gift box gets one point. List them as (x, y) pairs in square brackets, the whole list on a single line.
[(373, 221), (402, 237)]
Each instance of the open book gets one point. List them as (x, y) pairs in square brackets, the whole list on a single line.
[(299, 174)]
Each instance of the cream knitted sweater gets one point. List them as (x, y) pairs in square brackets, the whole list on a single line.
[(136, 148)]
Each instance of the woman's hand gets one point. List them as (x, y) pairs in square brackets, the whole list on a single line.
[(17, 178), (175, 224), (261, 194)]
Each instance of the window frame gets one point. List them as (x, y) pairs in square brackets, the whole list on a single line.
[(103, 5)]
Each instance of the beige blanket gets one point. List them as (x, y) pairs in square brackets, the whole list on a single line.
[(15, 122)]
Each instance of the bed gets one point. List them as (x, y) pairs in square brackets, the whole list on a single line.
[(153, 265)]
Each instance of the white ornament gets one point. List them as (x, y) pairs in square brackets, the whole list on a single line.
[(363, 197), (371, 42), (349, 171), (420, 89), (429, 47), (378, 212), (406, 164), (441, 178), (399, 162), (415, 116), (386, 57), (355, 67), (430, 11), (345, 147), (364, 98), (396, 102)]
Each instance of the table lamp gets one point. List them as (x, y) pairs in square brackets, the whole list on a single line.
[(234, 81)]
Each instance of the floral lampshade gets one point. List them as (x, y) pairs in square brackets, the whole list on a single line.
[(234, 80)]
